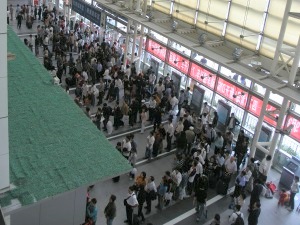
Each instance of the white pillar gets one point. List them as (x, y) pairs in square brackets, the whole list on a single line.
[(4, 150), (259, 124), (127, 42), (133, 43), (140, 50), (277, 134)]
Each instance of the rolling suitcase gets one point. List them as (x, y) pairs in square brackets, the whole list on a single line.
[(222, 188)]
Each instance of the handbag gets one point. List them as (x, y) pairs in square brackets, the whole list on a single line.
[(152, 195)]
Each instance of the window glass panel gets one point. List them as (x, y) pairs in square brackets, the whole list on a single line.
[(295, 108), (190, 3), (250, 122), (186, 14), (180, 48), (233, 34), (163, 6), (207, 62), (276, 98), (208, 93), (159, 37), (214, 13), (247, 17), (235, 77), (259, 89), (290, 146)]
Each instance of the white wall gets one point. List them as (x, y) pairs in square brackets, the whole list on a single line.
[(66, 209)]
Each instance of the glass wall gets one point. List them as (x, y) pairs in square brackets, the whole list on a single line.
[(235, 77)]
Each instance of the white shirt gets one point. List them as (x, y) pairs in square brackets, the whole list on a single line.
[(85, 76), (231, 167), (234, 215), (152, 103), (177, 178), (118, 83), (152, 78), (109, 127), (174, 102), (131, 199), (151, 186), (150, 141), (248, 175), (263, 166), (199, 168), (198, 154), (170, 129)]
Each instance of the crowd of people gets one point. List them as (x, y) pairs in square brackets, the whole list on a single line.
[(205, 158)]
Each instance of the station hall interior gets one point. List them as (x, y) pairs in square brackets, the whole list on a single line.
[(235, 56)]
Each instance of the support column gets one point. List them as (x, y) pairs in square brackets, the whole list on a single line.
[(140, 50), (277, 134), (133, 44), (295, 65), (281, 36), (126, 42), (4, 149), (259, 123)]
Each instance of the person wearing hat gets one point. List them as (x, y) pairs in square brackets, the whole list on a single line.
[(190, 137)]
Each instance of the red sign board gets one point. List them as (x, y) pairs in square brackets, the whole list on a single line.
[(295, 133), (255, 108), (202, 75), (232, 92), (156, 49), (177, 61)]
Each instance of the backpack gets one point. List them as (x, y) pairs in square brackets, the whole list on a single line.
[(239, 220)]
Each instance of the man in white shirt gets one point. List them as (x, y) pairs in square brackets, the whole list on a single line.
[(230, 168), (159, 88), (236, 214), (205, 108), (170, 132), (173, 103), (152, 79), (118, 86), (152, 106), (264, 165), (130, 203), (126, 147), (128, 71), (149, 145), (150, 188), (85, 76), (176, 178)]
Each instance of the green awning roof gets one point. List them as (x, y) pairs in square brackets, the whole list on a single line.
[(53, 146)]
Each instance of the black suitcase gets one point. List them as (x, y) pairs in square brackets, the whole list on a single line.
[(222, 188), (116, 179), (136, 220)]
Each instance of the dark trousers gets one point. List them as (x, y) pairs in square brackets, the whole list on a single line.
[(169, 141), (148, 202), (292, 201), (140, 211), (129, 212)]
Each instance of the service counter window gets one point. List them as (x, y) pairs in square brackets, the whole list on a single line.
[(290, 146), (204, 61), (250, 122), (235, 77), (176, 76), (159, 37), (180, 48)]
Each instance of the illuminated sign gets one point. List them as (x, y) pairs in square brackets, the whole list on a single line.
[(202, 75), (232, 92), (255, 107), (156, 49), (178, 62)]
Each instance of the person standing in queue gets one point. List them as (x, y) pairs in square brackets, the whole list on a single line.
[(110, 210), (130, 203)]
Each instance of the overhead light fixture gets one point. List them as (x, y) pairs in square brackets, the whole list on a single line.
[(203, 77), (237, 53), (236, 95), (175, 61), (157, 48), (202, 38)]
